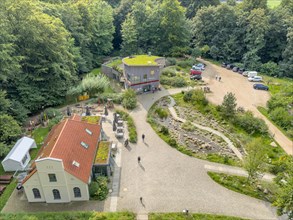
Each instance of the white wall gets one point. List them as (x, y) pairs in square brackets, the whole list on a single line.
[(65, 183)]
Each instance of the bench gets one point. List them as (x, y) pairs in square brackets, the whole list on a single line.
[(6, 177), (4, 181)]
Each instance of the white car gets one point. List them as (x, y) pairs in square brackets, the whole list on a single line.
[(255, 79)]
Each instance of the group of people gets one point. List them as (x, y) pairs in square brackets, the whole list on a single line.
[(218, 78)]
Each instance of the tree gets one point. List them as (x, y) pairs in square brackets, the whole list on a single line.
[(249, 5), (94, 84), (129, 99), (9, 132), (193, 6), (255, 159), (4, 103), (231, 2), (287, 63), (129, 37), (284, 197), (228, 107)]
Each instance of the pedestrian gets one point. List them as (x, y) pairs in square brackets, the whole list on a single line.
[(220, 78), (126, 143), (216, 77), (143, 136), (140, 199), (138, 159)]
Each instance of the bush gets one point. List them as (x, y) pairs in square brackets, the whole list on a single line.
[(174, 81), (129, 99), (251, 124), (116, 97), (54, 121), (162, 113), (270, 68), (93, 188), (171, 72), (188, 126), (172, 142), (281, 117), (130, 124), (185, 63), (196, 96), (52, 113), (103, 190), (164, 130), (171, 61)]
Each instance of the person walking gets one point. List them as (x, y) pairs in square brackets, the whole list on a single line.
[(143, 136), (220, 79), (216, 77), (140, 199), (138, 159)]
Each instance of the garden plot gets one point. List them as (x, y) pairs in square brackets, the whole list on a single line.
[(200, 142)]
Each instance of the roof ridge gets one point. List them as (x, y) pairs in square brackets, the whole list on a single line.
[(58, 138)]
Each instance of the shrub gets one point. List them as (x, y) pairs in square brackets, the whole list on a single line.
[(179, 82), (282, 117), (102, 191), (251, 124), (129, 99), (164, 130), (54, 121), (196, 96), (162, 113), (188, 126), (270, 68), (170, 61), (185, 63), (93, 188), (171, 72), (172, 142), (116, 97), (52, 113), (130, 124)]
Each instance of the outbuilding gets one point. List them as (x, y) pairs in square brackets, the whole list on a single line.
[(19, 157)]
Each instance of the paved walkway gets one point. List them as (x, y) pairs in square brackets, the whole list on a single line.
[(169, 181)]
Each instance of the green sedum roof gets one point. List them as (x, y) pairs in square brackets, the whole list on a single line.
[(139, 60)]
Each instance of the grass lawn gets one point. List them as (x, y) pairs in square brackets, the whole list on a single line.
[(115, 62), (241, 185), (141, 60), (91, 119), (6, 194), (274, 3), (39, 134), (70, 216), (191, 216), (276, 84), (95, 71)]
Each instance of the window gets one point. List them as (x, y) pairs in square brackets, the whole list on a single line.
[(86, 146), (135, 79), (36, 193), (24, 159), (145, 77), (76, 192), (52, 177), (56, 194)]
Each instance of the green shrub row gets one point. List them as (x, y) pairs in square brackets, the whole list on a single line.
[(173, 81)]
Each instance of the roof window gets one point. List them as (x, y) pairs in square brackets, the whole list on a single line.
[(84, 145), (88, 131)]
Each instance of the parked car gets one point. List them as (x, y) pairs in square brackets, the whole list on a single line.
[(196, 77), (235, 69), (119, 133), (194, 67), (241, 70), (245, 73), (224, 65), (230, 66), (255, 79), (201, 66), (251, 74), (260, 86), (195, 72)]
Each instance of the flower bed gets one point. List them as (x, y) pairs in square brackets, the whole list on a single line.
[(103, 152), (91, 119)]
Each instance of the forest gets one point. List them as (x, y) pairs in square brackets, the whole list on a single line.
[(47, 45)]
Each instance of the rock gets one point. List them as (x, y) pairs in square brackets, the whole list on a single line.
[(265, 191), (273, 144), (259, 187)]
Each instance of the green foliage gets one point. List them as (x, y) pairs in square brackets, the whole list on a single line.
[(162, 113), (172, 142), (195, 96), (76, 215), (130, 124), (188, 126), (228, 107), (251, 124), (164, 130), (270, 68), (193, 216), (176, 81), (171, 61), (6, 195), (282, 117), (102, 191), (185, 63), (117, 98), (255, 159), (9, 133), (4, 103), (240, 184), (170, 72), (129, 99), (93, 188)]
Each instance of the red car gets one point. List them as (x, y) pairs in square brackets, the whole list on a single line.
[(195, 72)]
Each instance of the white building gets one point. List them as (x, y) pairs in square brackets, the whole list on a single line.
[(19, 157), (63, 168)]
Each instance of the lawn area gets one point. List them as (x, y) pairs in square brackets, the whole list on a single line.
[(141, 60), (241, 185), (276, 84), (274, 3), (115, 62), (103, 152), (91, 119), (39, 134), (95, 71), (70, 216), (6, 194), (191, 216)]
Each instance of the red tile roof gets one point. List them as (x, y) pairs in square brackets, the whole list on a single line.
[(64, 142)]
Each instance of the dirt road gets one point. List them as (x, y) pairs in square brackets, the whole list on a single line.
[(247, 97)]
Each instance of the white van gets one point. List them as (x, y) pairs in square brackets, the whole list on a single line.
[(251, 74), (255, 79)]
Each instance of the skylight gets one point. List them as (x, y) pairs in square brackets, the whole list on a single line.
[(84, 145), (88, 131), (75, 163)]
